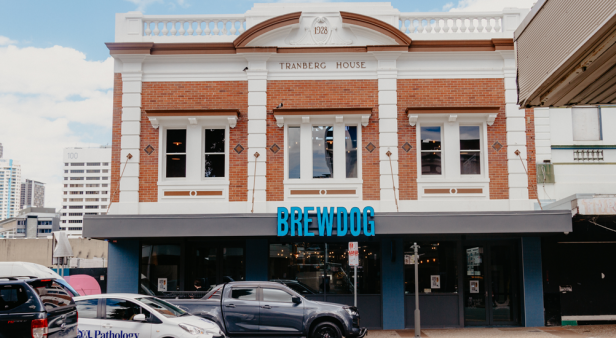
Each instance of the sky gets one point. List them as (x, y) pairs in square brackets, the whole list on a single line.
[(56, 75)]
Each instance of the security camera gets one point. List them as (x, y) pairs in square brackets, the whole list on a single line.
[(245, 69)]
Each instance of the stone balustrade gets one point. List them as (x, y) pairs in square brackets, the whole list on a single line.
[(136, 27)]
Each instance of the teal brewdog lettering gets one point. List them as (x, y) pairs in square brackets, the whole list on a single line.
[(106, 334), (296, 222)]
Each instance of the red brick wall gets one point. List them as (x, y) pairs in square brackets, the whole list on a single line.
[(116, 130), (322, 94), (194, 95), (452, 93), (531, 153)]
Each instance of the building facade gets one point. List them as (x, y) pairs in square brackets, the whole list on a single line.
[(32, 194), (86, 191), (10, 189), (257, 146), (576, 161), (31, 222)]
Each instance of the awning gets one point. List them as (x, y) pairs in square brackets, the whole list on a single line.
[(255, 225), (566, 54)]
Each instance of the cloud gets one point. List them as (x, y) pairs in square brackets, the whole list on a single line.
[(487, 5), (6, 41), (448, 6), (49, 99)]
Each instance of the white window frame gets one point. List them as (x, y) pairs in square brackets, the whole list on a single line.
[(451, 177), (195, 179), (306, 180)]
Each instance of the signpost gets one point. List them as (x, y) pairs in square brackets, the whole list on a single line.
[(354, 262), (416, 262)]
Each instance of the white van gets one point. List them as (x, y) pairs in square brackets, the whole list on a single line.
[(23, 269)]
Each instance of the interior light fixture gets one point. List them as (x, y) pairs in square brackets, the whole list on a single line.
[(177, 143), (175, 158)]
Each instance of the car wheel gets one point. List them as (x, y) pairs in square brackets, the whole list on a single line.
[(326, 330)]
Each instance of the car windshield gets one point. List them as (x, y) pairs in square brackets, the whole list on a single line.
[(162, 307)]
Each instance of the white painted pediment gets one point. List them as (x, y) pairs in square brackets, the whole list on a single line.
[(317, 29)]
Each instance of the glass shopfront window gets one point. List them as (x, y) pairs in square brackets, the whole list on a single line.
[(317, 268), (438, 268), (159, 268)]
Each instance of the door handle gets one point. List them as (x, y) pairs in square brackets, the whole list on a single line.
[(266, 307), (230, 305)]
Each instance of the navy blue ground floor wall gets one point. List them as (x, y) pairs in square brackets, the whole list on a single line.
[(392, 309)]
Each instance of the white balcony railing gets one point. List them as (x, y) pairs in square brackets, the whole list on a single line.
[(136, 27)]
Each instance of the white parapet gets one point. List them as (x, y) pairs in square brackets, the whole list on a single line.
[(136, 27)]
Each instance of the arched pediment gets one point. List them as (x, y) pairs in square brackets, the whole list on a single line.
[(321, 29)]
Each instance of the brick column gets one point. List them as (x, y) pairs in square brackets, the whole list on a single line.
[(257, 128), (516, 138), (388, 129), (131, 133)]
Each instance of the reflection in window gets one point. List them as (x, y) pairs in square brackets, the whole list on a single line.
[(120, 309), (275, 295), (350, 143), (323, 267), (294, 137), (159, 261), (470, 150), (322, 152), (244, 293), (438, 269), (431, 163), (214, 153), (176, 153), (87, 308)]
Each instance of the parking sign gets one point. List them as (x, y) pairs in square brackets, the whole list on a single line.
[(353, 254)]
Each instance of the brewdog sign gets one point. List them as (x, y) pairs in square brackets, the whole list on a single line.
[(325, 221)]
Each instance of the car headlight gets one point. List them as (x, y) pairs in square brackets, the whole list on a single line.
[(351, 311), (192, 329)]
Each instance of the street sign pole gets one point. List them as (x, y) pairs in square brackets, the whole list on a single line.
[(354, 262), (417, 319)]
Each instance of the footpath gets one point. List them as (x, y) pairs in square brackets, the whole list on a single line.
[(585, 331)]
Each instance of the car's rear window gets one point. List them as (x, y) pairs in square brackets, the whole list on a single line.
[(12, 296), (52, 294)]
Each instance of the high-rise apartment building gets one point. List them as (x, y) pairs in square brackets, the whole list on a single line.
[(87, 173), (1, 150), (10, 189), (32, 194)]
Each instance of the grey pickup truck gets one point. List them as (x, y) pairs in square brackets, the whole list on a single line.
[(269, 309)]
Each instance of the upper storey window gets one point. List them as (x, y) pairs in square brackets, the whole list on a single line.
[(176, 153), (322, 154), (215, 153), (431, 160), (470, 150), (194, 152), (452, 143)]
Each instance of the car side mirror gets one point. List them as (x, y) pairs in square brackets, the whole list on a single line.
[(296, 300), (139, 318)]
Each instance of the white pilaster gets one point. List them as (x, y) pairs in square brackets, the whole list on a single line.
[(257, 128), (516, 138), (388, 129), (130, 131)]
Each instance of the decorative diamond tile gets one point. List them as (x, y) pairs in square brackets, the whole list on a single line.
[(238, 148), (149, 149), (407, 147), (370, 147), (497, 146), (275, 148)]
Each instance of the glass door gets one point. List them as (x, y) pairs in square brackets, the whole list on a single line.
[(475, 292), (209, 264), (490, 285)]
